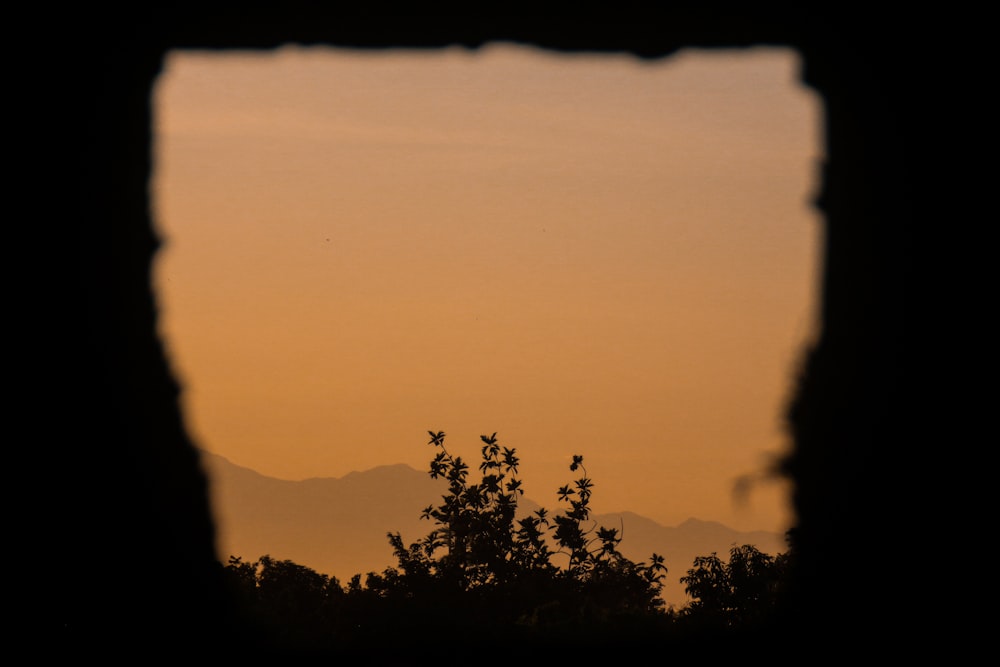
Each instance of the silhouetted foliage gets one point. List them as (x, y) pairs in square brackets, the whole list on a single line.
[(744, 592), (290, 604), (492, 567), (484, 572)]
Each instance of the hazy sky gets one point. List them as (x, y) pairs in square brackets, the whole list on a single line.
[(586, 254)]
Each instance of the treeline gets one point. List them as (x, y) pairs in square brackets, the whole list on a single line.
[(482, 578)]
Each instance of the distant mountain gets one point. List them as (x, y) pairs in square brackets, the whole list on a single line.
[(338, 526)]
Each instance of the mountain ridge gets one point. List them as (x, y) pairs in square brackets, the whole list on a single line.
[(339, 525)]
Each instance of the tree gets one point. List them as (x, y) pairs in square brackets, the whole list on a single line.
[(289, 604), (482, 572), (486, 565), (743, 592)]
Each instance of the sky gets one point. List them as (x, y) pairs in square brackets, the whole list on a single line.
[(586, 254)]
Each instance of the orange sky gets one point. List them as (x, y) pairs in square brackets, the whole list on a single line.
[(585, 254)]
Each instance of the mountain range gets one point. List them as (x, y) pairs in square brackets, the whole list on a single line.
[(338, 526)]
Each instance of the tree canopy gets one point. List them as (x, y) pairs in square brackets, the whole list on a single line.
[(484, 571)]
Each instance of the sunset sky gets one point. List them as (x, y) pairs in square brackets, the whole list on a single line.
[(587, 254)]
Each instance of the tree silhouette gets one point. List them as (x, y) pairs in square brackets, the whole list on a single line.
[(743, 592), (487, 566), (484, 574), (290, 605)]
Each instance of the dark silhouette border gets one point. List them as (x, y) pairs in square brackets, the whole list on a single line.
[(136, 517)]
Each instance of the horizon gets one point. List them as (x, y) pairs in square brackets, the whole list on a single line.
[(287, 273), (527, 495)]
